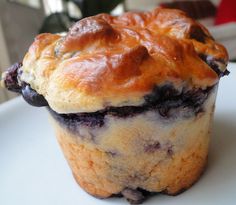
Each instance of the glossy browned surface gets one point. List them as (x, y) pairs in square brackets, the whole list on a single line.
[(115, 58)]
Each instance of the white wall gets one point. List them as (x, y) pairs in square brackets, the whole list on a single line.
[(18, 26), (4, 62), (142, 4), (149, 4)]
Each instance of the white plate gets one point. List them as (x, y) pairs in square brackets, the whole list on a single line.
[(33, 170)]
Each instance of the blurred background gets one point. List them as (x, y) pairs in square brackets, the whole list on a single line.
[(22, 20)]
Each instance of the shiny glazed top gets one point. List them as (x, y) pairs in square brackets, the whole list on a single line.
[(115, 61)]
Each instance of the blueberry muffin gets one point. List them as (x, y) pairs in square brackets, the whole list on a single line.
[(131, 99)]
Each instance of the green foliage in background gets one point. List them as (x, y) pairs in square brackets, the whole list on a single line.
[(60, 22), (93, 7)]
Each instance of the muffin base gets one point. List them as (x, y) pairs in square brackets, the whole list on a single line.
[(187, 169), (143, 151)]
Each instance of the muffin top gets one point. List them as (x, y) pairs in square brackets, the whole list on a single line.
[(115, 61)]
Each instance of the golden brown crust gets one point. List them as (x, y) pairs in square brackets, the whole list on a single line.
[(105, 60)]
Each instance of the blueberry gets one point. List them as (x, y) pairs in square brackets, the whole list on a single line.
[(150, 148), (32, 97), (198, 34), (133, 196), (11, 80), (214, 64), (73, 121)]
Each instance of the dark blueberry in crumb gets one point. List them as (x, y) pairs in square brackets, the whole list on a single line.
[(198, 34), (164, 111), (161, 94), (112, 153), (145, 192), (11, 81), (133, 196), (32, 97), (168, 92), (73, 121), (213, 63), (126, 111), (195, 97), (152, 147), (166, 100), (153, 97), (226, 72), (170, 151), (90, 120)]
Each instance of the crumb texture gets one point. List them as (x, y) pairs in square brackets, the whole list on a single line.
[(140, 152)]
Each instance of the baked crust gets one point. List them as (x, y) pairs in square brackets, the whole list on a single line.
[(115, 61)]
